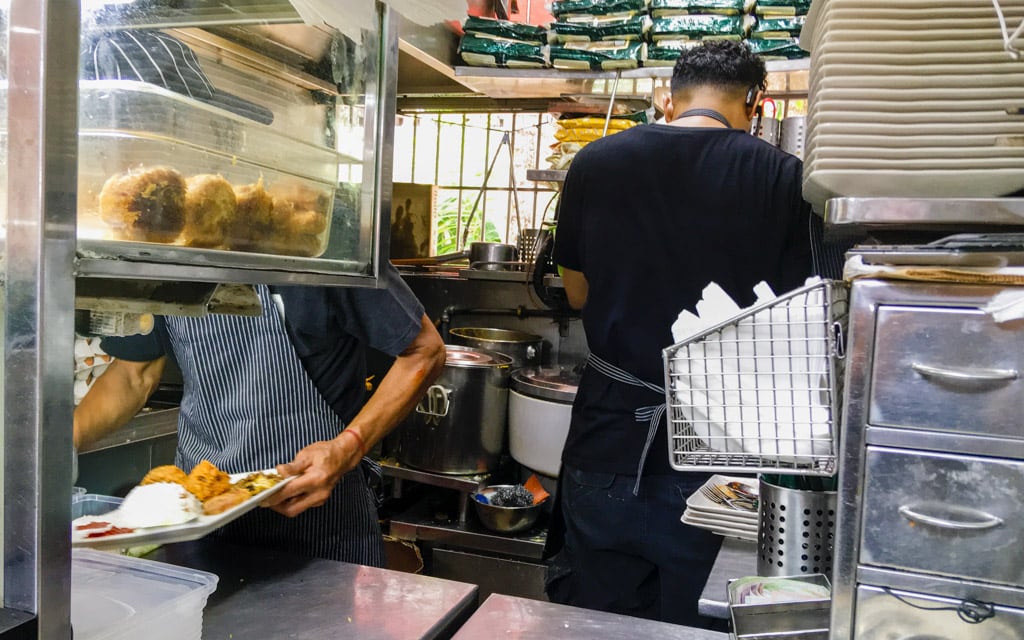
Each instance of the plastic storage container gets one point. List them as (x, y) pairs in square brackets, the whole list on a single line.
[(121, 598), (142, 150), (92, 504)]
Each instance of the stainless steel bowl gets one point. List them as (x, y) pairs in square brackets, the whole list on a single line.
[(505, 519)]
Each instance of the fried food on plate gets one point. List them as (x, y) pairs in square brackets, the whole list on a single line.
[(257, 482), (227, 500), (165, 473), (206, 481)]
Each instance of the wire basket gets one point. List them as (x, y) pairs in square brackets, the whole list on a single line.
[(761, 392)]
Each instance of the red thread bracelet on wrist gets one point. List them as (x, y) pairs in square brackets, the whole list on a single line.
[(359, 441)]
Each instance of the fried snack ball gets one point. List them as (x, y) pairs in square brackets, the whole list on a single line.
[(147, 205), (301, 196), (165, 473), (252, 222), (206, 481), (221, 503), (210, 206)]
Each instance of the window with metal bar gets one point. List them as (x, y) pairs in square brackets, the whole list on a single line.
[(478, 163)]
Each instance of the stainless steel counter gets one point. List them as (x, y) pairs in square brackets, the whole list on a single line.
[(264, 594), (502, 616), (736, 559)]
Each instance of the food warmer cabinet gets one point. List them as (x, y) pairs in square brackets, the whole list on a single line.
[(126, 196)]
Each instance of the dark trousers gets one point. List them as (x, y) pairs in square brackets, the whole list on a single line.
[(631, 554)]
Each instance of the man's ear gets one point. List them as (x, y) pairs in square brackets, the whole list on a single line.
[(755, 108), (667, 107)]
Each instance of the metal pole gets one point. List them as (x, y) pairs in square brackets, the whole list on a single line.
[(483, 188), (611, 103)]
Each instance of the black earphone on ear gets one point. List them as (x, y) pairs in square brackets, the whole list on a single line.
[(752, 95)]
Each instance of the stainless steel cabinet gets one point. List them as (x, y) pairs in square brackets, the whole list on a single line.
[(932, 467)]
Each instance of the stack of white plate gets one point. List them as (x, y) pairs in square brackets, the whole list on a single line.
[(719, 518), (910, 99)]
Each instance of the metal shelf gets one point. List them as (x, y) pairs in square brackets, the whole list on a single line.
[(500, 83), (772, 66), (953, 214), (546, 175)]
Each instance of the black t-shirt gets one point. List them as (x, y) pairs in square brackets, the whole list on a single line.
[(650, 216), (330, 328)]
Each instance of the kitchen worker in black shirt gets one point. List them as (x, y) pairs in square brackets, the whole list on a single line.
[(285, 389), (647, 218)]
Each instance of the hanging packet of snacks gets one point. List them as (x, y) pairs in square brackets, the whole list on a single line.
[(505, 29), (697, 27), (599, 28), (775, 28), (598, 56), (488, 51), (777, 48), (622, 8), (782, 7), (663, 8)]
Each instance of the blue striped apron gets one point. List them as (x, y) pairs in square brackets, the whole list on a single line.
[(249, 404)]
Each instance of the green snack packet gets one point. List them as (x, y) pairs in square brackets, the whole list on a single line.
[(777, 49), (695, 27), (598, 56), (506, 29), (488, 51), (598, 29), (560, 8), (664, 53), (776, 27), (662, 8), (783, 7)]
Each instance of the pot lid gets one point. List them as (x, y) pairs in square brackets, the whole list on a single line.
[(472, 357), (496, 336), (548, 383)]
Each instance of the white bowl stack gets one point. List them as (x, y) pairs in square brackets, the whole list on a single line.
[(910, 99)]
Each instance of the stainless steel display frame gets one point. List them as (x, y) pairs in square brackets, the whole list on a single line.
[(856, 432), (38, 257)]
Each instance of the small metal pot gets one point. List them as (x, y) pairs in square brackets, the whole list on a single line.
[(492, 256), (525, 349)]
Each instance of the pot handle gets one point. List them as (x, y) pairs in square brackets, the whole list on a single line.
[(434, 404)]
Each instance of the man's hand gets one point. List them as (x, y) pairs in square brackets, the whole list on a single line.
[(319, 466)]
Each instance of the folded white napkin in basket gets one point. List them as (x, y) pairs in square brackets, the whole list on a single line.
[(759, 384)]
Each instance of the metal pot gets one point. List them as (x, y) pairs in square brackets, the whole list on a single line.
[(539, 412), (459, 425), (525, 349), (492, 256)]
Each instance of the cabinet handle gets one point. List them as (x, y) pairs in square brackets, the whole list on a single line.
[(983, 520), (965, 375)]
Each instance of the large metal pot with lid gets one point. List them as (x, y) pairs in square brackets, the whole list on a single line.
[(539, 412), (525, 349), (459, 425)]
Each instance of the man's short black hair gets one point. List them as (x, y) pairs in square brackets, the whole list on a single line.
[(724, 64)]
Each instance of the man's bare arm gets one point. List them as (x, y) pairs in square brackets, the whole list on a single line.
[(115, 398)]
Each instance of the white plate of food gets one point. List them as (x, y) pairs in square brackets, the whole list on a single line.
[(161, 512)]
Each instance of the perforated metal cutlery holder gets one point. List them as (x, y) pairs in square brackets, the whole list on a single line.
[(797, 531)]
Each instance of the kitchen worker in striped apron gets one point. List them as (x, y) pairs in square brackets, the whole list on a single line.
[(285, 389)]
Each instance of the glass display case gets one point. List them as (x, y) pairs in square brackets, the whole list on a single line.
[(229, 142), (257, 151)]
